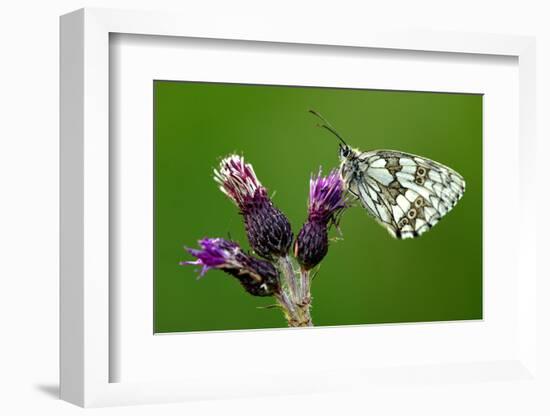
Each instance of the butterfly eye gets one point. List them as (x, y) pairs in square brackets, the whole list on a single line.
[(411, 213), (421, 171), (419, 180)]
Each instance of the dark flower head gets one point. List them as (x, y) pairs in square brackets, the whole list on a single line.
[(267, 228), (326, 197), (326, 201), (258, 277), (311, 245)]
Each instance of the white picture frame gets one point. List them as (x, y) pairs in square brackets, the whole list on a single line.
[(86, 355)]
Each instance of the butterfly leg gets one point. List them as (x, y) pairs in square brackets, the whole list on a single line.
[(356, 195)]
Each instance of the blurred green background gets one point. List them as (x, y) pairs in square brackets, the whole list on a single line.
[(368, 277)]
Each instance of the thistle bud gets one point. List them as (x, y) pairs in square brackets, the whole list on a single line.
[(258, 277), (312, 244), (267, 228), (326, 201)]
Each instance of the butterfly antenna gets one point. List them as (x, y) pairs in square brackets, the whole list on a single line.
[(326, 125)]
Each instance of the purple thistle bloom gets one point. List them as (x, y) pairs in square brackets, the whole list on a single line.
[(326, 201), (258, 277), (215, 253), (267, 228), (326, 197), (238, 181)]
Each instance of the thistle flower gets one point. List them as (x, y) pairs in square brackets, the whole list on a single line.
[(326, 197), (326, 201), (267, 228), (258, 277)]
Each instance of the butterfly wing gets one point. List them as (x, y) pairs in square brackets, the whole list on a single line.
[(407, 194)]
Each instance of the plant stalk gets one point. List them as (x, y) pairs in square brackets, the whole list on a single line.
[(295, 297)]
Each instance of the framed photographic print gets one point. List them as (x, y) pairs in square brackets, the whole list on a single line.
[(275, 194), (373, 278)]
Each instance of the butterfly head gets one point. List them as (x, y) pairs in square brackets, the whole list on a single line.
[(345, 153)]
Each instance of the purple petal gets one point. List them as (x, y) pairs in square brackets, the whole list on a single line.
[(238, 180), (326, 196), (215, 253), (204, 268)]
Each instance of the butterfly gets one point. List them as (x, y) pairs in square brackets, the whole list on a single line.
[(406, 193)]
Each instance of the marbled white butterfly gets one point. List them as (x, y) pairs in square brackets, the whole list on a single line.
[(407, 194)]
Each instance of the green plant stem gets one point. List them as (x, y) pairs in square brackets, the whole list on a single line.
[(305, 295), (295, 297), (289, 277)]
